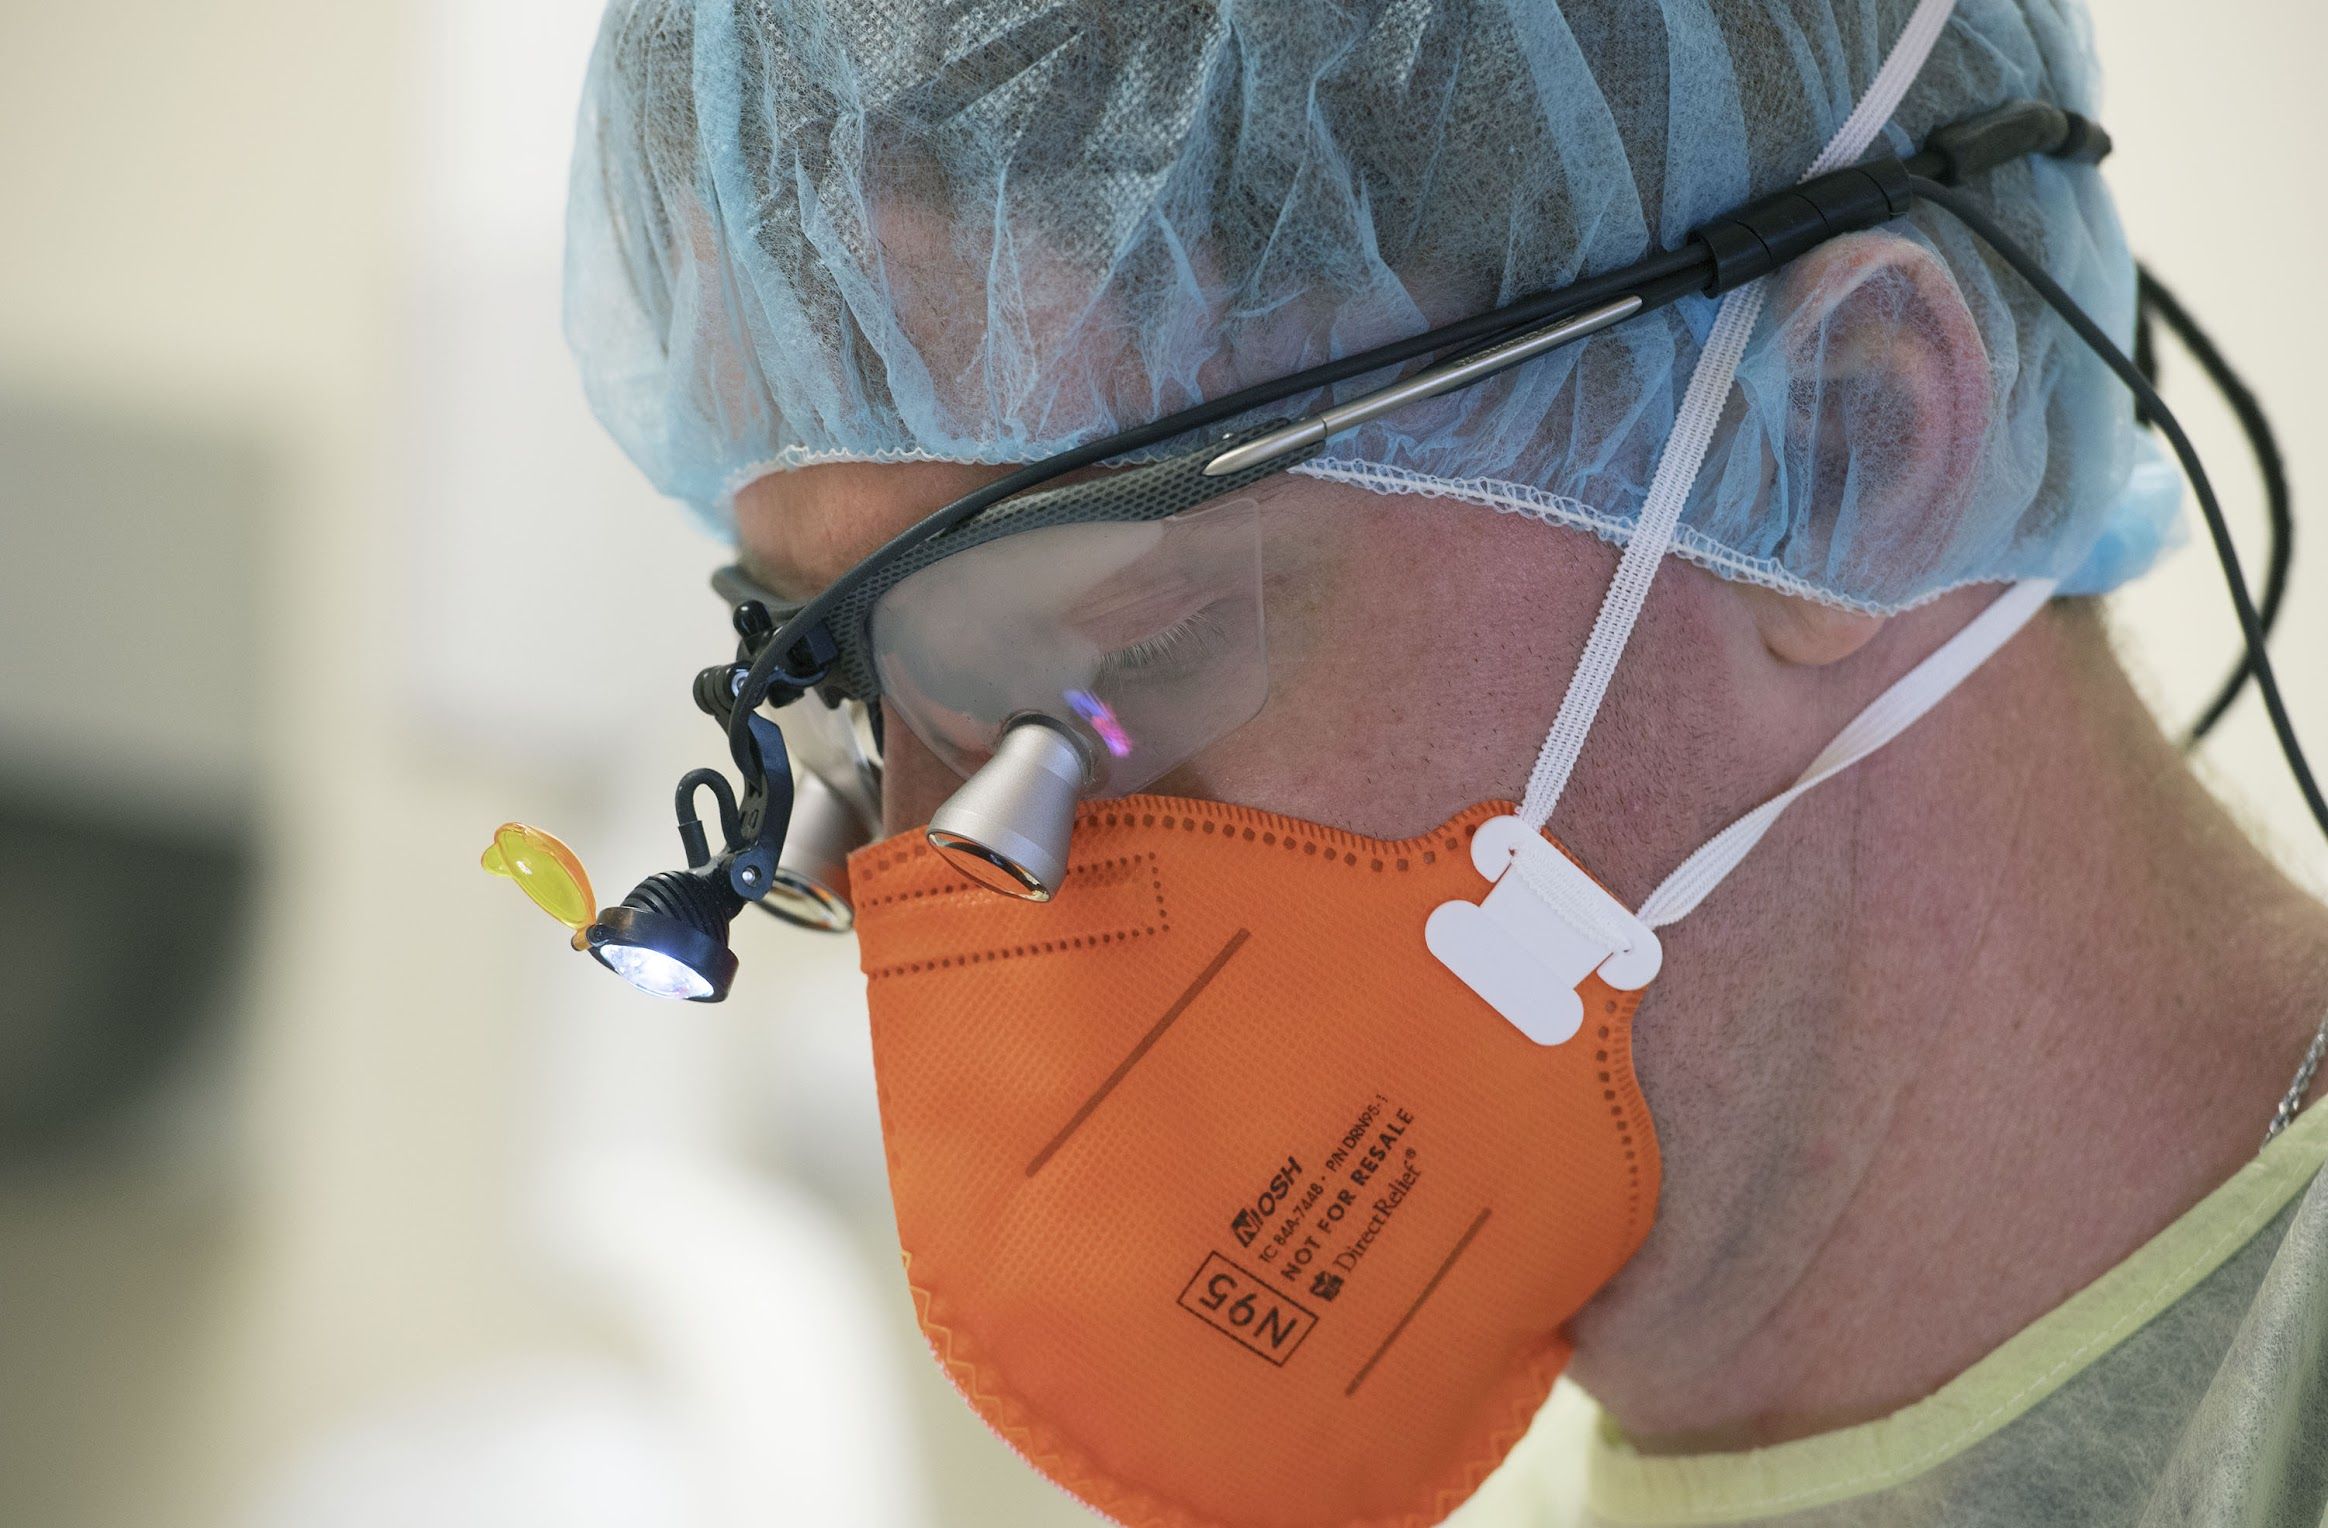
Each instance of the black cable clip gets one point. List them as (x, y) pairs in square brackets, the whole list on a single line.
[(1762, 236)]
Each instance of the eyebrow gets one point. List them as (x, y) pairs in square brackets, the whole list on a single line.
[(801, 564), (749, 568), (784, 579)]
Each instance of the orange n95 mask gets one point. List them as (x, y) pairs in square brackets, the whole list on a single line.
[(1222, 1199)]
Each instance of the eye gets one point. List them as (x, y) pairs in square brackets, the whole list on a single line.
[(1183, 648)]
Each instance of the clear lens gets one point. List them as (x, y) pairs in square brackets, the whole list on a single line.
[(653, 972), (1142, 640)]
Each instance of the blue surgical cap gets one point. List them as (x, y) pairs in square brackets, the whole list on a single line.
[(882, 230)]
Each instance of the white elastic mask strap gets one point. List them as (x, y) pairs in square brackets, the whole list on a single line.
[(1693, 434), (1886, 717)]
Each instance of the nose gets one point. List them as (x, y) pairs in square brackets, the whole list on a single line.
[(914, 782)]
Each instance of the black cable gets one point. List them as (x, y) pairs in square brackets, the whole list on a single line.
[(2154, 299), (1969, 213), (2145, 341)]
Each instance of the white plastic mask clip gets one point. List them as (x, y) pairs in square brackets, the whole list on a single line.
[(1543, 928)]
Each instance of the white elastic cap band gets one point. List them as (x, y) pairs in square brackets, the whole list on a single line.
[(1693, 433), (1886, 717)]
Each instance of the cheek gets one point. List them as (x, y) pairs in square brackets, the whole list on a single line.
[(1396, 697)]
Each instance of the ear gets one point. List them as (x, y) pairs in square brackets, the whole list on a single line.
[(1890, 376)]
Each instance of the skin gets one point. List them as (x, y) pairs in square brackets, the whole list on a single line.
[(1974, 1021)]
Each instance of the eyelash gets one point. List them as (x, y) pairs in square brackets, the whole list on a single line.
[(1189, 641)]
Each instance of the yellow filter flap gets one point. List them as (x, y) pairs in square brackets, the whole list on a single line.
[(544, 869)]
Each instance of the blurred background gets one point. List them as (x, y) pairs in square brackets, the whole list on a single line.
[(333, 1189)]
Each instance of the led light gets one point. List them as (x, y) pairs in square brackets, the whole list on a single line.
[(1103, 721), (669, 938), (653, 972)]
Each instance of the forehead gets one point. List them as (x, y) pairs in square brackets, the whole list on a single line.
[(797, 531)]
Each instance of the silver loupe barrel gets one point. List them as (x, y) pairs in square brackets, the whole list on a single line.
[(811, 885), (1008, 826)]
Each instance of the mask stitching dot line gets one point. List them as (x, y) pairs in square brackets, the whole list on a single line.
[(1340, 840), (1162, 924), (965, 888)]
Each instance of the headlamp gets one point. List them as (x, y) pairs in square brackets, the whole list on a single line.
[(1046, 686), (669, 938)]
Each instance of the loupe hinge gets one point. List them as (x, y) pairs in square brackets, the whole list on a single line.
[(805, 663), (749, 873)]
